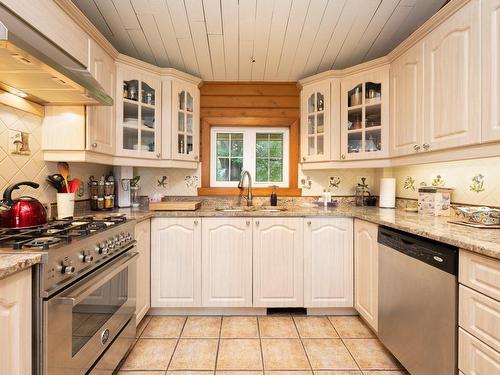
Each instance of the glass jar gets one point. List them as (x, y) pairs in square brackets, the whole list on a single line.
[(134, 196)]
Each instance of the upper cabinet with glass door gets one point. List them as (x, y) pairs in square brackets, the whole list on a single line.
[(316, 122), (185, 121), (138, 114), (364, 123)]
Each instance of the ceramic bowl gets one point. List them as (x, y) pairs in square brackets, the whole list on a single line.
[(482, 215)]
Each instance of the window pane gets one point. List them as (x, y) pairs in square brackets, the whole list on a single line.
[(189, 125), (319, 145), (180, 116), (189, 105), (310, 104), (222, 144), (189, 144), (182, 100), (222, 172), (276, 170), (237, 145), (262, 145), (262, 170), (236, 168), (310, 124), (276, 145)]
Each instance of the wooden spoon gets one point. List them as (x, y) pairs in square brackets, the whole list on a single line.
[(63, 169)]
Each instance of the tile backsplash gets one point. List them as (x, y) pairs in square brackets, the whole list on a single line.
[(475, 182), (171, 182), (29, 166)]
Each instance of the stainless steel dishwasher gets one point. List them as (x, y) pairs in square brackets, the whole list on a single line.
[(417, 306)]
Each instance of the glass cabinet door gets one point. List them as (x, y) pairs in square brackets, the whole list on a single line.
[(363, 133), (139, 118), (186, 128)]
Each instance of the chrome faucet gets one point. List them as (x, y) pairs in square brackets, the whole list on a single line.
[(241, 185)]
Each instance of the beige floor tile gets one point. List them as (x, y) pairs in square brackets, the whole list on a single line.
[(239, 372), (371, 355), (142, 325), (338, 372), (188, 373), (195, 354), (389, 372), (351, 327), (202, 327), (284, 354), (239, 354), (239, 327), (314, 327), (164, 327), (328, 354), (277, 327), (150, 354), (141, 372), (288, 372)]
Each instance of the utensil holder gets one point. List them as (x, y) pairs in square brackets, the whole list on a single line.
[(65, 205)]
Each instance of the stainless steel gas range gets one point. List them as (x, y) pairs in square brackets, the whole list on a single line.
[(84, 293)]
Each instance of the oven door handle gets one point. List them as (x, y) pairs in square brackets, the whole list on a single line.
[(101, 277)]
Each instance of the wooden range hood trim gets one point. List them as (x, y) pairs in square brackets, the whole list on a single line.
[(17, 102)]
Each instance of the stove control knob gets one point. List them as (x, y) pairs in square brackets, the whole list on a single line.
[(116, 238), (102, 248), (68, 270), (86, 258)]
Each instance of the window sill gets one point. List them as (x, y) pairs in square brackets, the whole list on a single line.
[(258, 192)]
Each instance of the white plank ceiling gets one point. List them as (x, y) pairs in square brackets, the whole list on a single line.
[(257, 40)]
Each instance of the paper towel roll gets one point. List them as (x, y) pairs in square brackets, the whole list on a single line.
[(387, 193)]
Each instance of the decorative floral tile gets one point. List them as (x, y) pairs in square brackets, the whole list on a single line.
[(306, 183), (409, 183), (334, 182), (477, 185)]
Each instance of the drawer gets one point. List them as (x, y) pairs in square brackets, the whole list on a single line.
[(480, 273), (480, 316), (475, 357)]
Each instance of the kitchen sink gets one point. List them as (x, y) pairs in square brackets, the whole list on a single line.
[(235, 209), (272, 209)]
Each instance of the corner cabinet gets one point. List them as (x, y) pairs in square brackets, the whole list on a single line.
[(364, 125), (138, 115)]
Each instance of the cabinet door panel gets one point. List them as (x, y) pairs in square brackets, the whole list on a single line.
[(452, 84), (406, 102), (366, 271), (328, 262), (143, 238), (278, 262), (101, 119), (491, 70), (227, 262), (176, 263), (474, 357)]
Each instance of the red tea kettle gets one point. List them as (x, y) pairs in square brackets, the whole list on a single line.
[(23, 212)]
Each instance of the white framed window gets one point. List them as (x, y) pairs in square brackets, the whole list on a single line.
[(264, 152)]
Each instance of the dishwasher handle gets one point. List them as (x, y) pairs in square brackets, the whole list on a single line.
[(433, 253)]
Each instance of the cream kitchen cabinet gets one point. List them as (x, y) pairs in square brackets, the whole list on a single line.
[(175, 262), (278, 262), (227, 262), (185, 121), (15, 324), (490, 70), (143, 298), (406, 106), (366, 271), (138, 112), (101, 135), (364, 125), (452, 71), (328, 262), (319, 121)]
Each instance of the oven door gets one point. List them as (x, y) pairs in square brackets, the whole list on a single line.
[(83, 320)]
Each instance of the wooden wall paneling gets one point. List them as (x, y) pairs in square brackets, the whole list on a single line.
[(328, 23), (279, 24)]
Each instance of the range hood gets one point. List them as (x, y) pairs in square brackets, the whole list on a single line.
[(33, 67)]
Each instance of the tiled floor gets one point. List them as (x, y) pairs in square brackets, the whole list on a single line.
[(267, 345)]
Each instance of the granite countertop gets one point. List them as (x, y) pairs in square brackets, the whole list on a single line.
[(481, 241), (12, 263)]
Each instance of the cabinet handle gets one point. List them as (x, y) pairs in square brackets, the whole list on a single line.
[(303, 158), (248, 223), (309, 222), (416, 147), (94, 145), (158, 155), (257, 222), (342, 156), (196, 222), (426, 146)]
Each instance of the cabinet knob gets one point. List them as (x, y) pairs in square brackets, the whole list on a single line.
[(158, 155), (248, 223), (196, 157), (303, 158), (309, 222), (196, 222), (342, 156), (426, 146), (94, 145), (416, 147), (257, 222)]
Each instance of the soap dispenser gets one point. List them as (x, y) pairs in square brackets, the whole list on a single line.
[(274, 196)]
